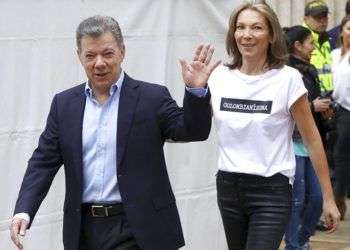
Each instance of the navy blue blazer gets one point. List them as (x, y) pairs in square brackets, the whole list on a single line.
[(147, 117)]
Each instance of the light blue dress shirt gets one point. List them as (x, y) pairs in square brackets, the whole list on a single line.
[(99, 146), (100, 184)]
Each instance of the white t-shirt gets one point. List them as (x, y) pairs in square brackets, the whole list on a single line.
[(341, 78), (253, 120)]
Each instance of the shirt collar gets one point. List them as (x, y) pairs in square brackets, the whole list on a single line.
[(113, 89)]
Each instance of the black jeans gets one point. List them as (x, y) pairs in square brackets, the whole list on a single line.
[(107, 233), (255, 210), (342, 153)]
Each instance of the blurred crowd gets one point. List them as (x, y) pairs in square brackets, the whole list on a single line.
[(323, 59)]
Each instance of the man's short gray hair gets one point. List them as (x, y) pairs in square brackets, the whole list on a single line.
[(96, 26)]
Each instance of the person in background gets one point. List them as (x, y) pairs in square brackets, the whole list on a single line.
[(316, 20), (334, 33), (307, 195), (341, 95), (256, 100)]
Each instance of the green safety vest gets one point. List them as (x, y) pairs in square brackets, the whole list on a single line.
[(322, 60)]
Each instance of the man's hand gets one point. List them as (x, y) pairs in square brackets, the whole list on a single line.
[(18, 230), (331, 215), (196, 73)]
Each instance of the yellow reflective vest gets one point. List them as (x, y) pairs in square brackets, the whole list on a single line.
[(322, 60)]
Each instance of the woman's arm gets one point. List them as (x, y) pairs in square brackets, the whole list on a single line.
[(302, 115)]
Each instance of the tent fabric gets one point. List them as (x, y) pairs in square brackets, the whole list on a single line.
[(39, 59)]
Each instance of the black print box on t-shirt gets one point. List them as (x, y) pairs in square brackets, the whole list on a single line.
[(245, 106)]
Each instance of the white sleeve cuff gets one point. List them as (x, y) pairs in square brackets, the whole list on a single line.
[(23, 216)]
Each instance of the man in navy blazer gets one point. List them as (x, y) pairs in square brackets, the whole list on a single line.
[(109, 135)]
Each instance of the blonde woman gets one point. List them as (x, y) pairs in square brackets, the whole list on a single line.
[(256, 100)]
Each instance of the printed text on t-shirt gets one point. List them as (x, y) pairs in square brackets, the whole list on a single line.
[(245, 106)]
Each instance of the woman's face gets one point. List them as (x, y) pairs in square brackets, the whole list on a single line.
[(252, 35), (306, 48), (345, 34)]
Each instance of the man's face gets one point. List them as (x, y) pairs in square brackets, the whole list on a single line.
[(101, 58), (317, 23)]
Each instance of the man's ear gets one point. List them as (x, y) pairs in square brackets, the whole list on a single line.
[(79, 55), (122, 49)]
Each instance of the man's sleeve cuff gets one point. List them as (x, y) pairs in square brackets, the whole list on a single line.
[(23, 216), (199, 92)]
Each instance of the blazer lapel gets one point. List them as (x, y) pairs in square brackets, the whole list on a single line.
[(129, 95), (77, 112)]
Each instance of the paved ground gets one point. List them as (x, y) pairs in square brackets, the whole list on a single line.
[(339, 240)]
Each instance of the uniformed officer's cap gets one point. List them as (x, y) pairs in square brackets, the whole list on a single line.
[(316, 8)]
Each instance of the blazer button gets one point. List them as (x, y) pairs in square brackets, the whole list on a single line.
[(120, 176), (77, 210)]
